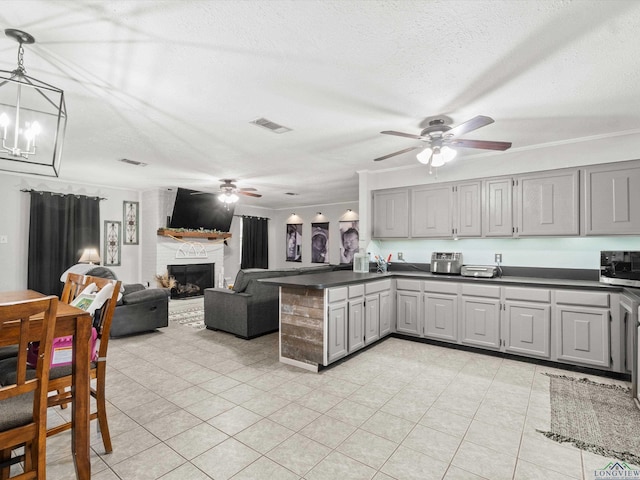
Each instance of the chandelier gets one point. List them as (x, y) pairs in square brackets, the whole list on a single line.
[(33, 118)]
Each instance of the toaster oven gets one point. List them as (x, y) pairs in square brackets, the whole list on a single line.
[(446, 262)]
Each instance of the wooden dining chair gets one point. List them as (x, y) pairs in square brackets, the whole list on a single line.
[(61, 380), (23, 404)]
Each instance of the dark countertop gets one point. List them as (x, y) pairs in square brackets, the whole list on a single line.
[(346, 277)]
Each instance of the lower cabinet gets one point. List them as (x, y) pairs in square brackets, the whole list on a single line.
[(386, 313), (563, 325), (355, 339), (583, 330), (528, 329), (337, 331), (481, 322), (355, 319), (441, 316), (371, 318), (408, 312), (583, 335), (527, 321), (480, 315)]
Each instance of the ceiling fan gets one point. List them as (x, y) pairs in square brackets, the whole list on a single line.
[(438, 140), (229, 191)]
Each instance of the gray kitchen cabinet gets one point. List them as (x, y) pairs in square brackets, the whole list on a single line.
[(390, 213), (440, 310), (377, 318), (337, 330), (582, 327), (355, 328), (480, 305), (548, 203), (628, 322), (386, 313), (481, 322), (527, 329), (372, 318), (612, 199), (431, 212), (355, 324), (497, 207), (408, 312), (468, 208), (441, 316), (527, 321)]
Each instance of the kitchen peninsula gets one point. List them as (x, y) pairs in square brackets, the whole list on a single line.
[(327, 316)]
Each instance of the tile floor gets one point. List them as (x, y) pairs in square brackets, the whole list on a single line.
[(189, 404)]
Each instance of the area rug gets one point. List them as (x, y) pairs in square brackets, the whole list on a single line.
[(188, 313), (597, 417)]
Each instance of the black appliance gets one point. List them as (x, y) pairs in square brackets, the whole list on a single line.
[(620, 267)]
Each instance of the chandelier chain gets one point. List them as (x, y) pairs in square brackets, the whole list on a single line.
[(21, 59)]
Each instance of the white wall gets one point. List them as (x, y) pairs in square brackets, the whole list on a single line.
[(572, 252), (14, 223), (331, 213)]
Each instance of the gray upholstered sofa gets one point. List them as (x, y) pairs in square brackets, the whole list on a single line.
[(249, 309), (139, 310)]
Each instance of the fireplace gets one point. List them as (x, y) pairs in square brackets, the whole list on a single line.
[(191, 279)]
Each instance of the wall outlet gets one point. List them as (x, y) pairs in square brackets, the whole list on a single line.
[(400, 256), (498, 258), (4, 239)]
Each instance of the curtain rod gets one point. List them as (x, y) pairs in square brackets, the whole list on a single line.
[(31, 190), (250, 216)]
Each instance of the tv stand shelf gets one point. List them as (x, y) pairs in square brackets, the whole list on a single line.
[(209, 235)]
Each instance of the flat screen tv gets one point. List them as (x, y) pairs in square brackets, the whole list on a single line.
[(202, 210)]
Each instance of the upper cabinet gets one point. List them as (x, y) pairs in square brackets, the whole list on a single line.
[(551, 203), (468, 208), (431, 211), (498, 207), (391, 213), (548, 203), (612, 199)]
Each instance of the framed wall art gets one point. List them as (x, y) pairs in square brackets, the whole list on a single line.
[(131, 222), (349, 240), (320, 242), (294, 242), (112, 240)]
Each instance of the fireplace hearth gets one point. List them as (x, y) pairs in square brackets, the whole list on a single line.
[(191, 279)]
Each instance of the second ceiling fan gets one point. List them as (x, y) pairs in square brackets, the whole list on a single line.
[(438, 140)]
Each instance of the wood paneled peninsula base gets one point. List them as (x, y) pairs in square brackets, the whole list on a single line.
[(327, 316)]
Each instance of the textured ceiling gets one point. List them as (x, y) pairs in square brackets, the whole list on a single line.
[(175, 84)]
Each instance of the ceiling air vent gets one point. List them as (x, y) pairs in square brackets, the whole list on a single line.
[(133, 162), (269, 125)]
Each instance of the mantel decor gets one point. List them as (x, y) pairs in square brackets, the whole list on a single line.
[(187, 233)]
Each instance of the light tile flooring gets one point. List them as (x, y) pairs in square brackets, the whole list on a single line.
[(188, 404)]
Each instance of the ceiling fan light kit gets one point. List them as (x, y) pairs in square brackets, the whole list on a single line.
[(228, 197), (440, 139), (33, 118)]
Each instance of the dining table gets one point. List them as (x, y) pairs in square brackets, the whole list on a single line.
[(69, 321)]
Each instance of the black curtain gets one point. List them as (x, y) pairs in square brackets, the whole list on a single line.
[(255, 243), (60, 227)]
